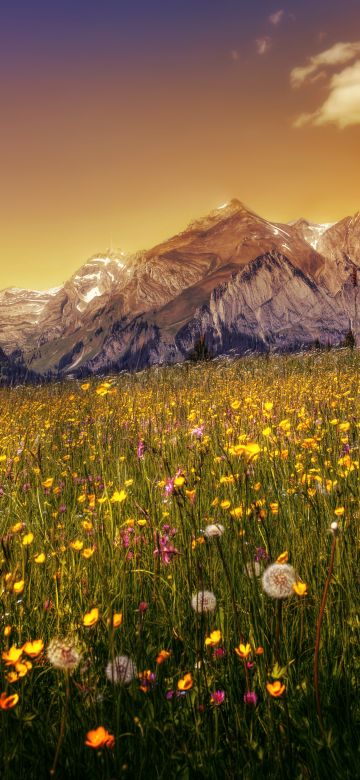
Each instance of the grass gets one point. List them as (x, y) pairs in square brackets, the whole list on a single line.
[(92, 520)]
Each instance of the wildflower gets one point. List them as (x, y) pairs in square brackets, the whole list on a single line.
[(143, 606), (88, 552), (77, 545), (8, 702), (243, 651), (63, 654), (275, 688), (204, 601), (98, 738), (217, 698), (18, 586), (198, 432), (278, 579), (147, 679), (215, 529), (121, 670), (162, 656), (219, 652), (118, 497), (12, 656), (27, 539), (92, 617), (334, 528), (339, 511), (39, 558), (7, 630), (214, 639), (117, 619), (250, 697), (140, 449), (300, 588), (185, 683), (33, 649), (283, 557)]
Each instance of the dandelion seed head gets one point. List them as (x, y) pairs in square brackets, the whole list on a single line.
[(214, 529), (278, 579), (204, 601), (121, 671), (63, 654)]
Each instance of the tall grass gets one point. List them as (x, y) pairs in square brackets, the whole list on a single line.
[(117, 482)]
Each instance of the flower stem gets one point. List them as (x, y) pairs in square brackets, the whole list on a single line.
[(62, 724), (318, 631)]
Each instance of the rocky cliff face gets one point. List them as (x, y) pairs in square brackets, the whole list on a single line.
[(240, 280)]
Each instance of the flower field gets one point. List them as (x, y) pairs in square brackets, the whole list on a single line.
[(180, 572)]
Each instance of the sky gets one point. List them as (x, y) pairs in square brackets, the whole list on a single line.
[(123, 120)]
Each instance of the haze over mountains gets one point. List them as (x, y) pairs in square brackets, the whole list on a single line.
[(231, 276)]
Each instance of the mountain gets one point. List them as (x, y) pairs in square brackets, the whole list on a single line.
[(235, 278)]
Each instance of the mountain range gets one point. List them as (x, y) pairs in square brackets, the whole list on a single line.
[(233, 278)]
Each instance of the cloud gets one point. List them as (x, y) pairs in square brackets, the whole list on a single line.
[(234, 55), (263, 45), (342, 106), (276, 17), (338, 54)]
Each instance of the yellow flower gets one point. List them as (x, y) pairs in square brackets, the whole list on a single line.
[(12, 656), (243, 651), (7, 630), (339, 511), (27, 539), (18, 586), (300, 588), (237, 512), (185, 683), (283, 557), (117, 619), (2, 458), (274, 507), (48, 482), (235, 405), (33, 648), (39, 558), (275, 688), (85, 386), (266, 431), (88, 552), (16, 528), (91, 617), (214, 639), (118, 497), (8, 702), (76, 544), (179, 481), (225, 504), (268, 405), (87, 526), (141, 522)]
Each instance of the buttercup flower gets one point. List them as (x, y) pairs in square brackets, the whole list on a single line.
[(185, 683), (98, 738), (278, 580), (204, 601), (8, 702), (121, 670), (275, 688)]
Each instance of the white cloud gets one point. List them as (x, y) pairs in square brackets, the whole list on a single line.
[(276, 17), (338, 54), (342, 106), (263, 44)]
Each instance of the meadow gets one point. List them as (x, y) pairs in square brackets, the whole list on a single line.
[(180, 572)]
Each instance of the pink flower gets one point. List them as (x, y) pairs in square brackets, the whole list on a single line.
[(217, 698), (198, 431), (250, 697), (140, 449)]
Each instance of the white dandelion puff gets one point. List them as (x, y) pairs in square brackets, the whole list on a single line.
[(63, 654), (204, 601), (121, 670), (214, 529), (278, 579)]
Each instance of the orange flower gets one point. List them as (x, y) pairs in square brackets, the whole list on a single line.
[(185, 683), (117, 619), (91, 617), (259, 650), (243, 651), (98, 738), (33, 648), (162, 656), (8, 702), (283, 557), (300, 588), (12, 656), (275, 688)]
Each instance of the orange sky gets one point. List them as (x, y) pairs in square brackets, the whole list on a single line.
[(108, 142)]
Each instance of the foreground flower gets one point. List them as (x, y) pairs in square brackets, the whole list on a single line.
[(243, 651), (34, 648), (12, 656), (185, 683), (162, 656), (121, 670), (278, 580), (250, 697), (275, 688), (215, 529), (8, 702), (98, 738), (91, 617), (217, 698), (63, 654), (214, 639), (204, 601), (300, 588)]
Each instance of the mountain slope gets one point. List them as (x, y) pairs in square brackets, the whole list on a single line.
[(232, 275)]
